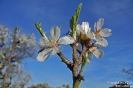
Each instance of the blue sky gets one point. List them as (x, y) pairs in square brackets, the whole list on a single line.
[(118, 16)]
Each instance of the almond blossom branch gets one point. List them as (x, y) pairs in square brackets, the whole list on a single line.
[(65, 60), (78, 62), (82, 52)]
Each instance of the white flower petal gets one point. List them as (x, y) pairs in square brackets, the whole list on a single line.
[(43, 55), (78, 30), (55, 33), (95, 27), (105, 32), (85, 27), (52, 32), (43, 42), (81, 29), (103, 41), (90, 57), (98, 37), (66, 40), (78, 46), (98, 44), (90, 35), (100, 23), (98, 53), (56, 50)]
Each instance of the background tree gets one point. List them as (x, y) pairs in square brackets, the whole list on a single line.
[(128, 72), (44, 85), (14, 47), (20, 78), (66, 86)]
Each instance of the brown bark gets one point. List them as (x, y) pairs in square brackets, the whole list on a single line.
[(9, 59)]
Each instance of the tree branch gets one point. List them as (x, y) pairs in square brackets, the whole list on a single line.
[(65, 60), (9, 58)]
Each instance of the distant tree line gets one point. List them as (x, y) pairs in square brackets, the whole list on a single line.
[(46, 85)]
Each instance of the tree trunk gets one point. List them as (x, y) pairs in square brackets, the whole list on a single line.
[(76, 82), (4, 80)]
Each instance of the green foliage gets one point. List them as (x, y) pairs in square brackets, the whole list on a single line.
[(46, 85), (66, 86), (74, 20), (2, 55)]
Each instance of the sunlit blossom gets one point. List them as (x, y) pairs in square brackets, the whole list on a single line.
[(53, 44), (95, 51), (101, 33), (84, 31)]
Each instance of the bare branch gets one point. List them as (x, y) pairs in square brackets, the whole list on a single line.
[(65, 60)]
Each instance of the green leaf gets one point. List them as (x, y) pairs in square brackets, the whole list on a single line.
[(39, 27), (2, 55), (74, 20)]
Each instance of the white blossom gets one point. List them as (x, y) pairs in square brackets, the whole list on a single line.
[(101, 33), (83, 33), (95, 51), (84, 30), (52, 45)]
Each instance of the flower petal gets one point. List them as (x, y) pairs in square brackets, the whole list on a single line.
[(104, 42), (66, 40), (78, 46), (55, 33), (100, 23), (56, 50), (42, 56), (85, 27), (97, 37), (105, 32), (95, 27), (98, 53), (90, 35), (43, 42), (98, 44), (78, 30), (90, 57)]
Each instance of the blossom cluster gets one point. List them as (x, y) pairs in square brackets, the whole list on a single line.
[(83, 33), (96, 39)]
